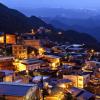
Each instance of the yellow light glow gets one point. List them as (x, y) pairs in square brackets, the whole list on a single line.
[(92, 50), (53, 64), (2, 39), (16, 60), (10, 39), (62, 86), (19, 65), (41, 51)]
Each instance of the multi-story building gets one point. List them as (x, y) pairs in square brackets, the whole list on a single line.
[(30, 40), (8, 38), (28, 64), (79, 81), (19, 51)]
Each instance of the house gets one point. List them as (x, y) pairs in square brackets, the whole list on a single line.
[(21, 51), (6, 76), (78, 80), (13, 91), (54, 60), (64, 83), (56, 94), (81, 94), (6, 63), (28, 64), (51, 82), (8, 38), (92, 65), (32, 64)]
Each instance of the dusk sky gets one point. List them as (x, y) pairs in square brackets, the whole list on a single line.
[(91, 4)]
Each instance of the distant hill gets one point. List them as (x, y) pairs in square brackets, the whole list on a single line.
[(14, 21), (83, 20), (90, 25)]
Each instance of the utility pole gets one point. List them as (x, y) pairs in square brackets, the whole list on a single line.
[(42, 88)]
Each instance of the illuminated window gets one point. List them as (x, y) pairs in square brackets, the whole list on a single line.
[(1, 39)]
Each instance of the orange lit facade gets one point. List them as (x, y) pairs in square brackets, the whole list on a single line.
[(19, 51), (10, 39), (8, 78), (6, 63), (1, 39), (23, 65)]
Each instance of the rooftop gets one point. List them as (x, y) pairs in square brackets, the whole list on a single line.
[(81, 94), (6, 72), (13, 89), (53, 56), (31, 61)]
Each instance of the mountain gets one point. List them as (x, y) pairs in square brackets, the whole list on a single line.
[(73, 37), (89, 25), (35, 21), (83, 20), (12, 20)]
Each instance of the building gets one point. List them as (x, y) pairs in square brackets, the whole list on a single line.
[(28, 64), (6, 76), (92, 65), (81, 94), (56, 94), (19, 51), (7, 38), (13, 91), (23, 52), (64, 84), (33, 43), (32, 64), (54, 61), (6, 63), (79, 81)]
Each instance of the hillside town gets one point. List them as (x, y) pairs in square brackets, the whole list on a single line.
[(32, 67)]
